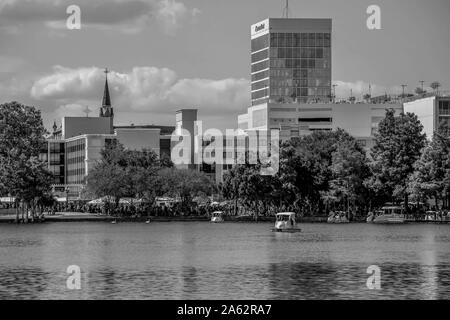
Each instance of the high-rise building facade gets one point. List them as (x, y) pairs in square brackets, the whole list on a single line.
[(291, 60), (433, 112)]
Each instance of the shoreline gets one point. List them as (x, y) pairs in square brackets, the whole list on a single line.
[(74, 217)]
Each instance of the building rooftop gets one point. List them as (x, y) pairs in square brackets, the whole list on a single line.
[(165, 130)]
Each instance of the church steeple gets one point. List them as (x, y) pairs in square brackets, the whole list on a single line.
[(106, 110)]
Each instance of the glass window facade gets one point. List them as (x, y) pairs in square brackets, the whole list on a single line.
[(54, 155), (57, 161), (444, 108), (76, 166), (298, 66)]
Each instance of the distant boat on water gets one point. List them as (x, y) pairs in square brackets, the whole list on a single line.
[(338, 217), (285, 222), (387, 215), (217, 217)]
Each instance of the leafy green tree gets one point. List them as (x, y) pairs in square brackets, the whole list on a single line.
[(232, 180), (185, 183), (305, 167), (431, 178), (22, 174), (398, 145), (124, 173), (255, 191), (349, 170)]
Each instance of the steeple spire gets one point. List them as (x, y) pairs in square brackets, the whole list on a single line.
[(106, 110), (106, 97)]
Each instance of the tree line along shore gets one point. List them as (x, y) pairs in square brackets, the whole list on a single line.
[(319, 173)]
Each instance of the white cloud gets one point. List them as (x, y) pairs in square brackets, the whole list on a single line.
[(143, 89), (170, 14), (70, 110), (125, 16)]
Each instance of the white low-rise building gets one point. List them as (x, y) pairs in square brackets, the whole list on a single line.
[(360, 120), (431, 112)]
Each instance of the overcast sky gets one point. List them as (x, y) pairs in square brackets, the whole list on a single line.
[(170, 54)]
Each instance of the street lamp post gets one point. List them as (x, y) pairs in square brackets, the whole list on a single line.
[(67, 197)]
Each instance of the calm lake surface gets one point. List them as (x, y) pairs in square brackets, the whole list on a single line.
[(197, 260)]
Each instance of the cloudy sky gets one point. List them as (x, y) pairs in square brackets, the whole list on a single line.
[(170, 54)]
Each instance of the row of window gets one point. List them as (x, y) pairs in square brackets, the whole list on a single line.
[(297, 99), (257, 101), (315, 120), (300, 63), (261, 55), (317, 82), (260, 66), (75, 147), (58, 180), (299, 73), (300, 39), (57, 170), (296, 40), (305, 53), (260, 94), (57, 147), (276, 93), (444, 107), (56, 158), (260, 43), (260, 75), (76, 176), (300, 53), (79, 159), (260, 85)]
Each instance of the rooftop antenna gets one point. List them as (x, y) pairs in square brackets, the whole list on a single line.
[(286, 10), (403, 90), (422, 82)]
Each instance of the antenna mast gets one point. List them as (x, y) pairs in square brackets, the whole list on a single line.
[(286, 10)]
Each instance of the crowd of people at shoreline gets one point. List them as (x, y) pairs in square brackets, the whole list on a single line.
[(177, 209)]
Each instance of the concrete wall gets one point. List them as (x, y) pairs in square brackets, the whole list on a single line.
[(426, 111), (354, 118), (138, 139), (94, 145), (243, 121), (77, 126)]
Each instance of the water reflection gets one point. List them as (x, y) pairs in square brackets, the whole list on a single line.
[(230, 261), (275, 281)]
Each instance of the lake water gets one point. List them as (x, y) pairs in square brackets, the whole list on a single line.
[(198, 260)]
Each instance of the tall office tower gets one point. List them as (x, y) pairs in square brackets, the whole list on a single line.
[(291, 60)]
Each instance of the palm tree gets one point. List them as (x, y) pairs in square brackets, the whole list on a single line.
[(435, 86), (420, 91)]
